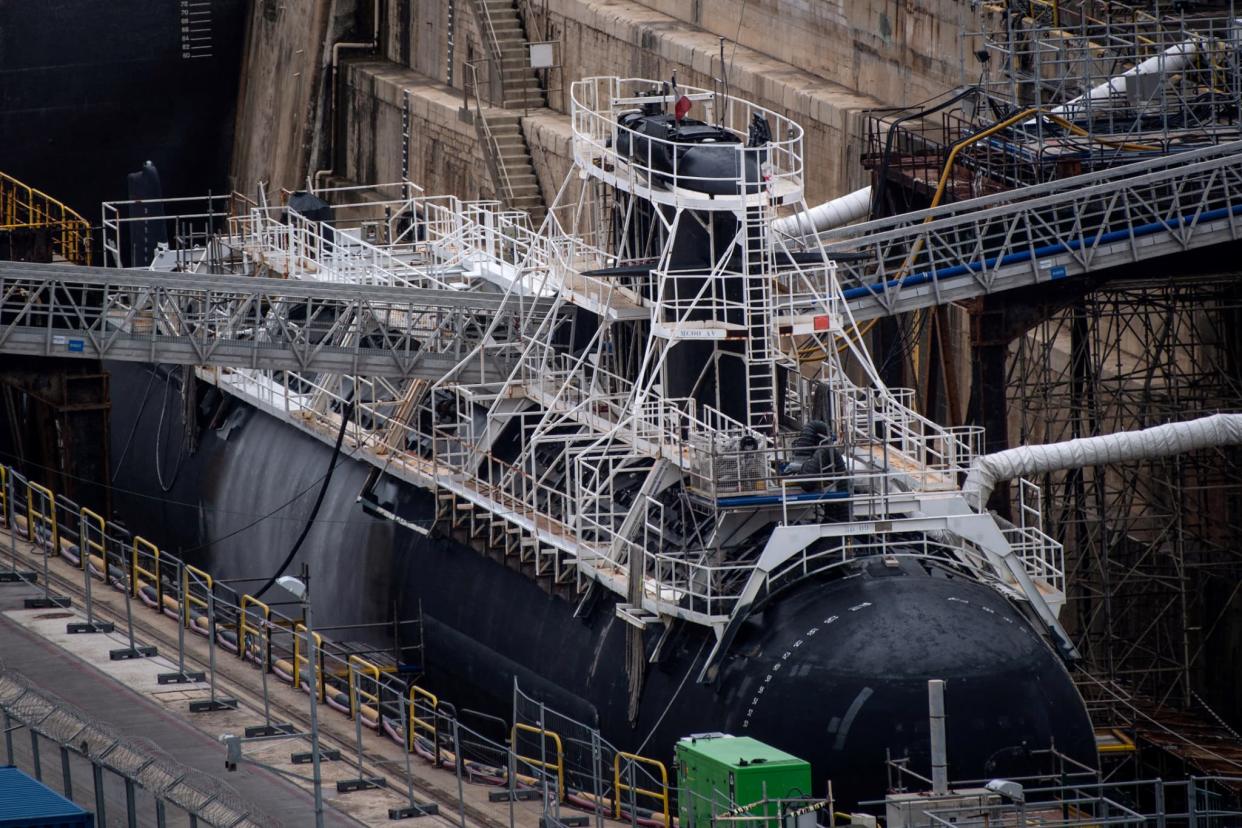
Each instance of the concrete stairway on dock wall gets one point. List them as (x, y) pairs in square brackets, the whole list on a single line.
[(522, 89), (514, 162)]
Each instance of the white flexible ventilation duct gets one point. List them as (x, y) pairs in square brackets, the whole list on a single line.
[(1122, 447), (830, 214), (1174, 59)]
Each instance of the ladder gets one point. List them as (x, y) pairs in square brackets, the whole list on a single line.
[(760, 322)]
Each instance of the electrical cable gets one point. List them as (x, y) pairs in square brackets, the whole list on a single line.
[(323, 490), (134, 430)]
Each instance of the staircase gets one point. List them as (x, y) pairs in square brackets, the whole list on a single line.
[(518, 186), (500, 26)]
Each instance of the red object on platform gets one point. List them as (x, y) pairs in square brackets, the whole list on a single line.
[(682, 107)]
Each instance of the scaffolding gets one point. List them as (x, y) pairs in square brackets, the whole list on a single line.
[(1153, 549)]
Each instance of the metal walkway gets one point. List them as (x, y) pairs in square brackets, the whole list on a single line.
[(235, 321), (1059, 230)]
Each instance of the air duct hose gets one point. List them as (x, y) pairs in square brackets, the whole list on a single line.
[(1122, 447)]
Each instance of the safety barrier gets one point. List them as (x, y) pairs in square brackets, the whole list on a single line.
[(262, 632), (190, 577), (299, 634), (359, 667), (92, 535), (41, 526), (140, 547), (631, 760), (542, 762), (415, 722), (23, 207)]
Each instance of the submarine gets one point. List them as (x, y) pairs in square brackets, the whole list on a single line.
[(785, 578)]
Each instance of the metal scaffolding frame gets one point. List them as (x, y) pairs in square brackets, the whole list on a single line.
[(1143, 541)]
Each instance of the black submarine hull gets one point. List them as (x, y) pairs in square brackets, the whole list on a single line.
[(91, 90), (833, 671)]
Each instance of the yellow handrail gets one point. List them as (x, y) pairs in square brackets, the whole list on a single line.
[(86, 520), (22, 207), (299, 659), (263, 631), (618, 786), (187, 598), (32, 513), (558, 765), (135, 570), (432, 726), (357, 666), (4, 497)]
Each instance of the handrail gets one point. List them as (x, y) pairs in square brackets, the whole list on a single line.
[(357, 666), (492, 149), (299, 659), (245, 628), (22, 206), (558, 765), (416, 723), (135, 570), (32, 527), (88, 519), (618, 785), (187, 597)]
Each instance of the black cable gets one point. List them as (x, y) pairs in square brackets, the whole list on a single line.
[(323, 490)]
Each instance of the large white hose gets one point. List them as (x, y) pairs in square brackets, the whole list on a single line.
[(1171, 60), (1122, 447), (835, 213)]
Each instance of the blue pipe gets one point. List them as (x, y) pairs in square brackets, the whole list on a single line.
[(767, 500), (934, 275)]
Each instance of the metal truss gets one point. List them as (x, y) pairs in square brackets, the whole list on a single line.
[(227, 321), (1032, 235), (1153, 550)]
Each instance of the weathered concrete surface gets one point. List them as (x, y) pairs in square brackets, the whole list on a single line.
[(284, 88), (444, 153)]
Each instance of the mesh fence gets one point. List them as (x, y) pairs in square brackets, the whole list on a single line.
[(207, 798)]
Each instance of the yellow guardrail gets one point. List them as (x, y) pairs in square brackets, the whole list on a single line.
[(187, 596), (660, 796), (299, 659), (32, 525), (88, 520), (22, 207), (357, 667), (141, 545), (262, 632), (427, 723), (558, 765), (4, 495)]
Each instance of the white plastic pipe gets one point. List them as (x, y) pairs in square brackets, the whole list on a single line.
[(1174, 59), (830, 214), (1122, 447)]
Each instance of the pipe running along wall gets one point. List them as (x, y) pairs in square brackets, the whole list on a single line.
[(1122, 447)]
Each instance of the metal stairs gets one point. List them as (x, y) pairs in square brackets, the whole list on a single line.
[(500, 22), (519, 183)]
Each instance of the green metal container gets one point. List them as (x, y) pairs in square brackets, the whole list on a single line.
[(716, 773)]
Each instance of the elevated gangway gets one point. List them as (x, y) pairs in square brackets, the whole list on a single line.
[(228, 321), (1063, 229)]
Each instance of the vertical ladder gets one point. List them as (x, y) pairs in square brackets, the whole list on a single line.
[(760, 322)]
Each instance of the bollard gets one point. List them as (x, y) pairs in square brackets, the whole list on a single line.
[(214, 702)]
